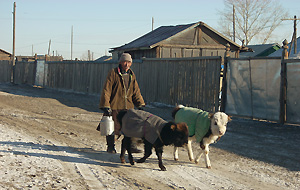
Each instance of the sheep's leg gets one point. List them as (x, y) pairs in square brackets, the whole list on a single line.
[(199, 156), (207, 161), (175, 153), (190, 150)]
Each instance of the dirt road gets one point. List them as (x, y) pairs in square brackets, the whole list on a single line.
[(48, 141)]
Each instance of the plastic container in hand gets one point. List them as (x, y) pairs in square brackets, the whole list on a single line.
[(107, 126)]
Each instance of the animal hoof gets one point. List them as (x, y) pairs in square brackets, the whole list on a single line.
[(208, 167), (163, 169), (192, 160), (132, 163), (140, 161), (176, 159), (122, 160), (196, 162)]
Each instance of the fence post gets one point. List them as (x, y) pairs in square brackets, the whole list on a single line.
[(224, 81), (283, 83)]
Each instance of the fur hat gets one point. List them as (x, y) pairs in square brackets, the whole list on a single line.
[(125, 57)]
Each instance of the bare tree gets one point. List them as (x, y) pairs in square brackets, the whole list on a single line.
[(254, 19)]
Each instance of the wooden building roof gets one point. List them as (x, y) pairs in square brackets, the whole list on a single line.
[(5, 52), (165, 34), (4, 55)]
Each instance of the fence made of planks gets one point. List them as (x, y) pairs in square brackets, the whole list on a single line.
[(5, 70), (188, 81), (25, 73), (253, 88)]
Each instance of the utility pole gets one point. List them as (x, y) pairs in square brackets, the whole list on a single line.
[(295, 34), (49, 47), (152, 23), (72, 43), (14, 43), (294, 38), (233, 22), (14, 33)]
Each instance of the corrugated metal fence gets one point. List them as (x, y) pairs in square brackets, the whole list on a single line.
[(293, 91), (253, 88)]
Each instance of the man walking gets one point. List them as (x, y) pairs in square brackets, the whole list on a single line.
[(120, 92)]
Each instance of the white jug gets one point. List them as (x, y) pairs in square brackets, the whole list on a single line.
[(106, 125)]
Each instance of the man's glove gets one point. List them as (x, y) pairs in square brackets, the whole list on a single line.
[(141, 107), (107, 111)]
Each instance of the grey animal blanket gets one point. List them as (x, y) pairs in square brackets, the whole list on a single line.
[(142, 124)]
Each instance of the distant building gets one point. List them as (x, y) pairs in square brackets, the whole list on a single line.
[(292, 54), (261, 50), (39, 57), (4, 55), (104, 59), (190, 40)]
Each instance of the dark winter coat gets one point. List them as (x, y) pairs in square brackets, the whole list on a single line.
[(116, 96)]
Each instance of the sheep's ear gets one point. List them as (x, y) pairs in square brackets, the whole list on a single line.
[(173, 127), (210, 115), (229, 118)]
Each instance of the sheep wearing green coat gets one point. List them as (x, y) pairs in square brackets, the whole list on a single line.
[(205, 127)]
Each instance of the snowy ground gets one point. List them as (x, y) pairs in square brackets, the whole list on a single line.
[(48, 141)]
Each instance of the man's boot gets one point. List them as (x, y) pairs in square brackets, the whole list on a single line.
[(134, 148), (110, 140)]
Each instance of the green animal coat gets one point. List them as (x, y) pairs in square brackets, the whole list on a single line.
[(196, 119)]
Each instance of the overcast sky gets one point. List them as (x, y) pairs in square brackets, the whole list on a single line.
[(100, 25)]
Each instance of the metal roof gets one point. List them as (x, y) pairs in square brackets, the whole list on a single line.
[(152, 38), (259, 49), (278, 53)]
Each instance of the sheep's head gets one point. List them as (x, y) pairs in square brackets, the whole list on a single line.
[(219, 122)]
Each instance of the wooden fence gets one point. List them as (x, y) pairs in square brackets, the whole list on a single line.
[(25, 73), (86, 77), (5, 71), (189, 81)]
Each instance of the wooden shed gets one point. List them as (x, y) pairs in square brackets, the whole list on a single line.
[(190, 40), (4, 55)]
